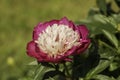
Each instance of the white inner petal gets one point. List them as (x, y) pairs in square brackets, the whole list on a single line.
[(57, 39)]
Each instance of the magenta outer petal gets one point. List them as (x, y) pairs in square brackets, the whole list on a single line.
[(41, 53), (37, 30), (83, 47), (64, 21), (83, 31), (68, 59), (41, 27), (71, 25), (55, 60), (53, 22), (71, 51), (31, 51)]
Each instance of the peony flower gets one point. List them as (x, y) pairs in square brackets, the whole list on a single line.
[(56, 40)]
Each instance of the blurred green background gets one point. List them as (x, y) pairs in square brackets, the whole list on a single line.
[(17, 20)]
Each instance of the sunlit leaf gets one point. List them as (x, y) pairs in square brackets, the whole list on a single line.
[(118, 77), (111, 37), (103, 64), (51, 78), (97, 23), (81, 79), (102, 77), (41, 71), (113, 66), (116, 18), (108, 46), (33, 63)]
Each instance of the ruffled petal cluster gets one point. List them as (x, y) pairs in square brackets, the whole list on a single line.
[(56, 40)]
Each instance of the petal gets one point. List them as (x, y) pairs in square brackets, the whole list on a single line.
[(71, 51), (40, 52), (31, 49), (71, 25), (37, 30), (54, 60), (83, 31), (64, 21), (41, 27), (58, 59), (68, 59), (53, 22), (83, 47)]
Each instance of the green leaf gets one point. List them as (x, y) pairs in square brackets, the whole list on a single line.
[(118, 50), (103, 64), (118, 3), (33, 63), (118, 77), (116, 18), (108, 46), (118, 28), (51, 78), (114, 66), (102, 5), (111, 37), (103, 77), (99, 22), (41, 71), (81, 79)]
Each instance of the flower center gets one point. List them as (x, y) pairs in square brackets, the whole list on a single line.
[(57, 39)]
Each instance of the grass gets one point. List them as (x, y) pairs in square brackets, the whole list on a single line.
[(17, 19)]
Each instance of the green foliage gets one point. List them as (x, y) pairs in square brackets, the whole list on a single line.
[(102, 5), (100, 62), (103, 77), (112, 38), (98, 22), (17, 19), (103, 64)]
